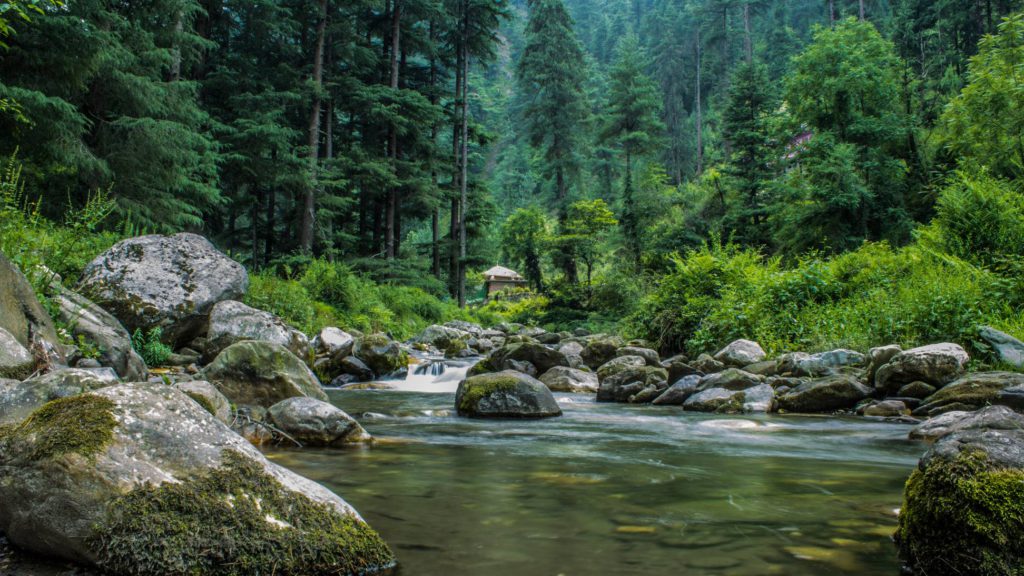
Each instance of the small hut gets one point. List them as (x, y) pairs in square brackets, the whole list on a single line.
[(500, 278)]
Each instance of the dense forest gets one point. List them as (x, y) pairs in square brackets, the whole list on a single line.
[(806, 172)]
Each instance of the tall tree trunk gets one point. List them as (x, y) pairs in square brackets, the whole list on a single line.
[(863, 16), (254, 217), (435, 218), (746, 28), (392, 201), (464, 180), (268, 230), (453, 237), (700, 117), (831, 12), (179, 28), (309, 197)]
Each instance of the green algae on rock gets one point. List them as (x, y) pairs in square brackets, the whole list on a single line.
[(507, 394), (82, 424), (963, 510)]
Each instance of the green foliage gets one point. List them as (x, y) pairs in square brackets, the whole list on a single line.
[(586, 225), (985, 121), (168, 529), (148, 345), (874, 295), (524, 236), (21, 11)]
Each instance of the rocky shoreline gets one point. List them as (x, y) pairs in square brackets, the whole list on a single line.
[(131, 470)]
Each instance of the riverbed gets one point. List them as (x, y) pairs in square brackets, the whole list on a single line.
[(614, 489)]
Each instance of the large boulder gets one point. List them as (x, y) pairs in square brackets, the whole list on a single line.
[(261, 374), (1007, 349), (740, 353), (166, 282), (563, 379), (822, 363), (731, 379), (678, 367), (628, 384), (974, 391), (87, 320), (506, 394), (447, 339), (936, 364), (649, 355), (232, 321), (827, 394), (381, 354), (314, 422), (963, 509), (23, 316), (599, 349), (16, 362), (208, 397), (20, 399), (878, 357), (619, 364), (989, 418), (138, 479), (679, 392), (333, 343), (514, 357), (758, 399)]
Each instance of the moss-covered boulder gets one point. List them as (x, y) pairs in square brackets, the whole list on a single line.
[(19, 400), (963, 510), (315, 423), (974, 391), (600, 348), (261, 374), (528, 357), (619, 364), (138, 479), (208, 397), (827, 394), (988, 418), (381, 354), (170, 282), (506, 394), (232, 322)]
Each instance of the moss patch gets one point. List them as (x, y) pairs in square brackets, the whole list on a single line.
[(203, 401), (475, 389), (82, 424), (236, 520), (963, 518)]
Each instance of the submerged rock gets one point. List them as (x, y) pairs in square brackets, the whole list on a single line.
[(261, 374), (138, 479), (937, 364), (87, 320), (824, 395), (563, 379), (232, 322), (989, 418), (741, 353), (963, 510), (506, 394), (316, 423), (170, 282)]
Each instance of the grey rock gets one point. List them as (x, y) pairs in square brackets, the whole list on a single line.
[(208, 397), (232, 322), (620, 386), (878, 357), (15, 360), (316, 423), (24, 317), (91, 322), (827, 363), (170, 282), (261, 374), (764, 368), (707, 365), (619, 364), (918, 390), (740, 353), (650, 356), (679, 392), (886, 409), (991, 417), (759, 399), (717, 400), (382, 354), (333, 342), (827, 394), (974, 391), (356, 368), (600, 348), (57, 504), (730, 379), (1007, 348), (19, 400), (563, 379), (678, 367), (936, 364), (506, 394)]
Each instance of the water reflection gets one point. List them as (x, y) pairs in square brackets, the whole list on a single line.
[(617, 490)]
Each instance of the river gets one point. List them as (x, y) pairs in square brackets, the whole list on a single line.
[(616, 489)]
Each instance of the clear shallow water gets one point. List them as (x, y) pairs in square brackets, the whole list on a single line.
[(617, 489)]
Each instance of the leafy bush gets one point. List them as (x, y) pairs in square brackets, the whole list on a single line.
[(149, 346), (979, 218)]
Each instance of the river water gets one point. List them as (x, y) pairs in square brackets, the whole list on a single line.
[(616, 489)]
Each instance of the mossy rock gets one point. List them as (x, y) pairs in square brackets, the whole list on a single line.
[(822, 395), (970, 392), (507, 394), (382, 354), (139, 480), (261, 374), (963, 510)]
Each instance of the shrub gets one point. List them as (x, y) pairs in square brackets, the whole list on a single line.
[(148, 345), (980, 217)]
